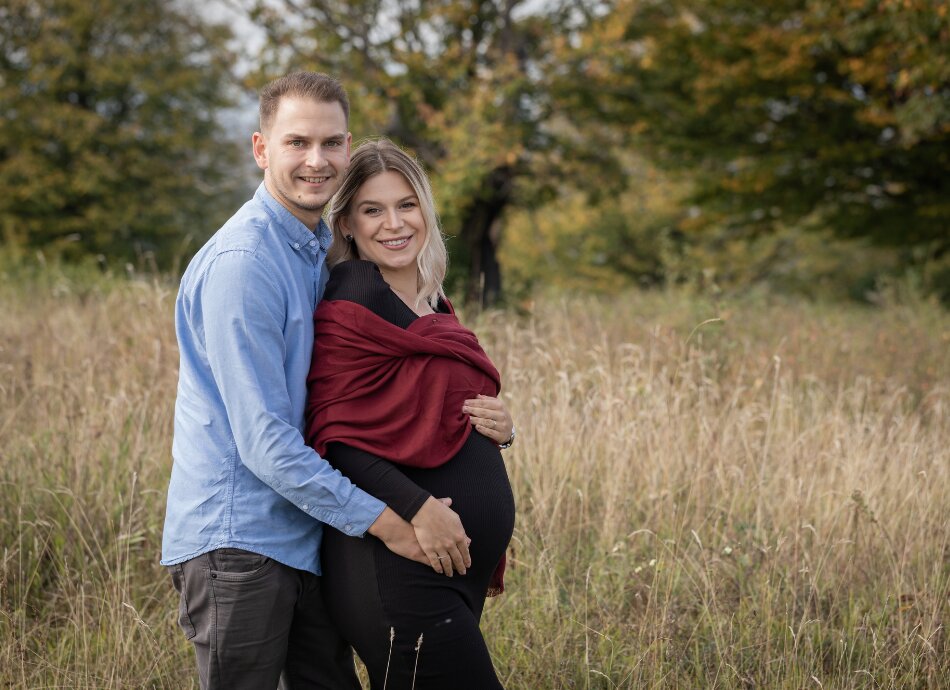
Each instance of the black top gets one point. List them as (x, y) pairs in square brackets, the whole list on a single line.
[(362, 283)]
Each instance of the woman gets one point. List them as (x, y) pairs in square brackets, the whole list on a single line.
[(396, 385)]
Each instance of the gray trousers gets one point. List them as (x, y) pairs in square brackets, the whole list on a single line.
[(255, 622)]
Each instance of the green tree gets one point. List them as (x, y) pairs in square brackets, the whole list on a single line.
[(469, 86), (110, 141), (619, 241), (794, 114)]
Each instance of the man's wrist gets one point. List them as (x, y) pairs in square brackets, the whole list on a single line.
[(384, 526)]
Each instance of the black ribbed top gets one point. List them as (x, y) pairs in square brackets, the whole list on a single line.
[(362, 283)]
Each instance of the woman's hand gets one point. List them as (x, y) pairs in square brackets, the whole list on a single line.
[(442, 537), (490, 417)]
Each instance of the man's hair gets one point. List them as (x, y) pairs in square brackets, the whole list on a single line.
[(372, 158), (313, 85)]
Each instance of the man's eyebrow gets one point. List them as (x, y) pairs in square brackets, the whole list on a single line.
[(291, 136)]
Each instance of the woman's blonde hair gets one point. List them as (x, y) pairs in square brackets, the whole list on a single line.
[(372, 158)]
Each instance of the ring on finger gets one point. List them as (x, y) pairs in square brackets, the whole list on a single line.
[(442, 558)]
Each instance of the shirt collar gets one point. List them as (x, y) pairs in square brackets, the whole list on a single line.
[(295, 232)]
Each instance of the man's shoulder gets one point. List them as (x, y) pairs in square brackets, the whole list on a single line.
[(240, 243), (244, 231)]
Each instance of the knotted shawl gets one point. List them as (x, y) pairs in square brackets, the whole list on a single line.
[(395, 392)]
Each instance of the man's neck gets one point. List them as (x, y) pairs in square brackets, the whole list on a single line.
[(309, 221)]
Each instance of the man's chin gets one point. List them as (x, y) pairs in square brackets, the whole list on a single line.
[(308, 202)]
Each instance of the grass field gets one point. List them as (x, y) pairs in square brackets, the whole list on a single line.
[(757, 501)]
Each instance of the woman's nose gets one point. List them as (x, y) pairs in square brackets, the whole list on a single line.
[(393, 219)]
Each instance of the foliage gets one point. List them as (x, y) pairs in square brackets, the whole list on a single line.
[(599, 144), (602, 246), (469, 86), (111, 142), (791, 115)]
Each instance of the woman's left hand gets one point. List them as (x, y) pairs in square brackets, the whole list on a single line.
[(490, 417)]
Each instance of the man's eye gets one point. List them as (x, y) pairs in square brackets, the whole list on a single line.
[(296, 143), (334, 144)]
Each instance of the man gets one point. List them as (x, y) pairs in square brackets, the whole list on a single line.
[(247, 497)]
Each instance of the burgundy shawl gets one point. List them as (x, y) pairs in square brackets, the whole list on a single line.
[(395, 392)]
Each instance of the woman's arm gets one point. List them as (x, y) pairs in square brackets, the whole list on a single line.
[(379, 478)]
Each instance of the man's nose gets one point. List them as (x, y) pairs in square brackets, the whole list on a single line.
[(314, 157)]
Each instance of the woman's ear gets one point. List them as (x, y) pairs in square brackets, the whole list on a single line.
[(345, 229), (348, 236)]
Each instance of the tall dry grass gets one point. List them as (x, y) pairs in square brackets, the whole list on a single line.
[(759, 501)]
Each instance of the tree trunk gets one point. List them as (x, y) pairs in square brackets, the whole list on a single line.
[(481, 232)]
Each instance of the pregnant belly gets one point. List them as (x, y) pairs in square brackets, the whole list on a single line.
[(477, 482)]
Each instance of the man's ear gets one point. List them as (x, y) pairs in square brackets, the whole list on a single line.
[(259, 147)]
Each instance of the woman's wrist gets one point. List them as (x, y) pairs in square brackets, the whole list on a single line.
[(511, 439)]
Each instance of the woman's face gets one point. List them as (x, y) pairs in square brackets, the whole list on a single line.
[(386, 223)]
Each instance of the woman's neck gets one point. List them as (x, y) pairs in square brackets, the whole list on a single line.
[(406, 287)]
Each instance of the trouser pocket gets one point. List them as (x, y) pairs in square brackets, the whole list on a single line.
[(184, 618), (237, 565)]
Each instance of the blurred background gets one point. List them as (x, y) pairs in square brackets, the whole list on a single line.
[(798, 146), (719, 232)]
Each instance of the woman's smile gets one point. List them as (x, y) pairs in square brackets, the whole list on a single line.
[(387, 225)]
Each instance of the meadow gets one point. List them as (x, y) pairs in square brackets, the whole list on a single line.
[(748, 492)]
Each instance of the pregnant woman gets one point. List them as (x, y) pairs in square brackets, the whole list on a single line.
[(396, 385)]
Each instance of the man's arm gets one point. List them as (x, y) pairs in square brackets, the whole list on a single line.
[(242, 312)]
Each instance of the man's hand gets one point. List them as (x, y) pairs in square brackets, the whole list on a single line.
[(442, 537), (398, 536)]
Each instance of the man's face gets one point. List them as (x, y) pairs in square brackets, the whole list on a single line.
[(303, 155)]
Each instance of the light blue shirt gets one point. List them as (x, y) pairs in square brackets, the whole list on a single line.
[(242, 475)]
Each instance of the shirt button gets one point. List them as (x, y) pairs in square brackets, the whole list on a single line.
[(306, 506), (347, 528), (313, 243), (296, 245)]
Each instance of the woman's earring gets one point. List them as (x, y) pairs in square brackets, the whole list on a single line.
[(348, 238)]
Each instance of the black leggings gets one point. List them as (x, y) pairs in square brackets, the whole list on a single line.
[(407, 622)]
